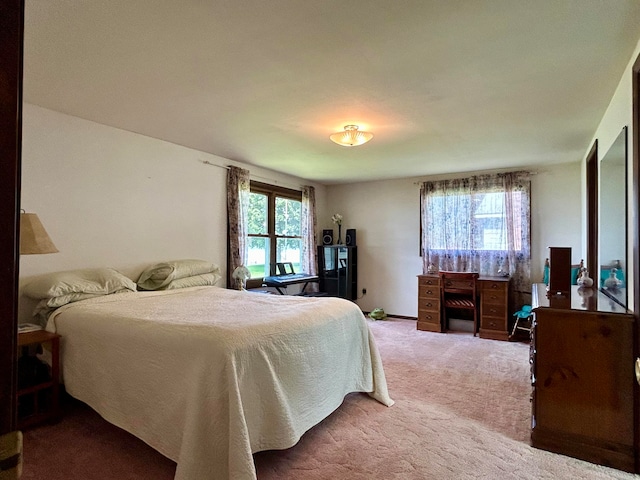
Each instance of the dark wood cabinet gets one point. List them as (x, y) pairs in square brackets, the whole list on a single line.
[(338, 270), (582, 372)]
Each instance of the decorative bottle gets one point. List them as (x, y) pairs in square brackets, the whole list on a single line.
[(584, 280), (613, 281)]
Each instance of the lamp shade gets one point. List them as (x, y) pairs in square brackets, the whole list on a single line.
[(33, 237), (351, 136)]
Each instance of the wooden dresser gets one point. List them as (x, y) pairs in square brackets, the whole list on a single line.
[(582, 373), (494, 306)]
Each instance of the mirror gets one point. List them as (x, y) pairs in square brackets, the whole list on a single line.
[(612, 229)]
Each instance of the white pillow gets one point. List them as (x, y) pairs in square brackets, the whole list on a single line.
[(92, 281), (158, 276), (194, 281)]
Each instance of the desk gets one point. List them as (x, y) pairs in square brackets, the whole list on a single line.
[(494, 306), (282, 281)]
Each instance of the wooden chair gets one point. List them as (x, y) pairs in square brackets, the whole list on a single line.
[(459, 292)]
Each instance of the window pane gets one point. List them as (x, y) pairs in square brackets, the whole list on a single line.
[(288, 217), (258, 261), (489, 221), (257, 217), (474, 222), (289, 250)]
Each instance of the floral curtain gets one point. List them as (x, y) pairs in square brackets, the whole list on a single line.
[(238, 190), (481, 224), (309, 227)]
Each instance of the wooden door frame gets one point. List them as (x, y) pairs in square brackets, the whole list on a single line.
[(592, 211), (11, 55), (635, 239)]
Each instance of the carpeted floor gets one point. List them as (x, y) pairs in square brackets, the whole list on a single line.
[(462, 412)]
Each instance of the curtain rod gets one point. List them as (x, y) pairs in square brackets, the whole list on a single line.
[(270, 180), (530, 172)]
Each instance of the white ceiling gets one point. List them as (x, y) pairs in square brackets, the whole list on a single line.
[(444, 85)]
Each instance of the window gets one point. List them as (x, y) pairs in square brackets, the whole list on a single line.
[(274, 229), (477, 221), (477, 224)]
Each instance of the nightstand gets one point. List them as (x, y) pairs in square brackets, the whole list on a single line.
[(38, 394)]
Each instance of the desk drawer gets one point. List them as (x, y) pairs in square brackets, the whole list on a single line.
[(428, 291), (493, 297), (489, 309), (431, 304), (493, 323), (500, 288), (429, 316), (464, 284), (428, 281)]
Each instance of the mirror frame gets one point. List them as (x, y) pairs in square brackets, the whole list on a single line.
[(619, 295)]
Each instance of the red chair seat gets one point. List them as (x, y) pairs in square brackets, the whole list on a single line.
[(460, 303)]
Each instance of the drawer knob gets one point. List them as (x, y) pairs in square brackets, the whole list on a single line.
[(429, 304)]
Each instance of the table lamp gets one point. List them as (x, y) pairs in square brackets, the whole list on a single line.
[(33, 237)]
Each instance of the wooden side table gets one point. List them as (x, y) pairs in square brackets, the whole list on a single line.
[(40, 400)]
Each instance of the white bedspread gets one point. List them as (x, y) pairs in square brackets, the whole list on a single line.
[(207, 376)]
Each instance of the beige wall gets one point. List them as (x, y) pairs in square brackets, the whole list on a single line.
[(618, 114), (111, 198), (386, 217), (114, 198)]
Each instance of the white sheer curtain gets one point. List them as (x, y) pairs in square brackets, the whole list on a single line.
[(480, 224), (238, 190)]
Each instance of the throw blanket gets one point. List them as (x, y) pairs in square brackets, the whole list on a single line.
[(207, 376)]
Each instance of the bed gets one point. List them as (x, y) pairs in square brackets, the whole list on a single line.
[(207, 376)]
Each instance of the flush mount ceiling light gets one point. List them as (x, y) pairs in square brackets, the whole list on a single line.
[(351, 136)]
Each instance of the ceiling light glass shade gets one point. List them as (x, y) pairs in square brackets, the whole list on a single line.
[(351, 136), (33, 237)]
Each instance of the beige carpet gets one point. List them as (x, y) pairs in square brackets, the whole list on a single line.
[(462, 411)]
